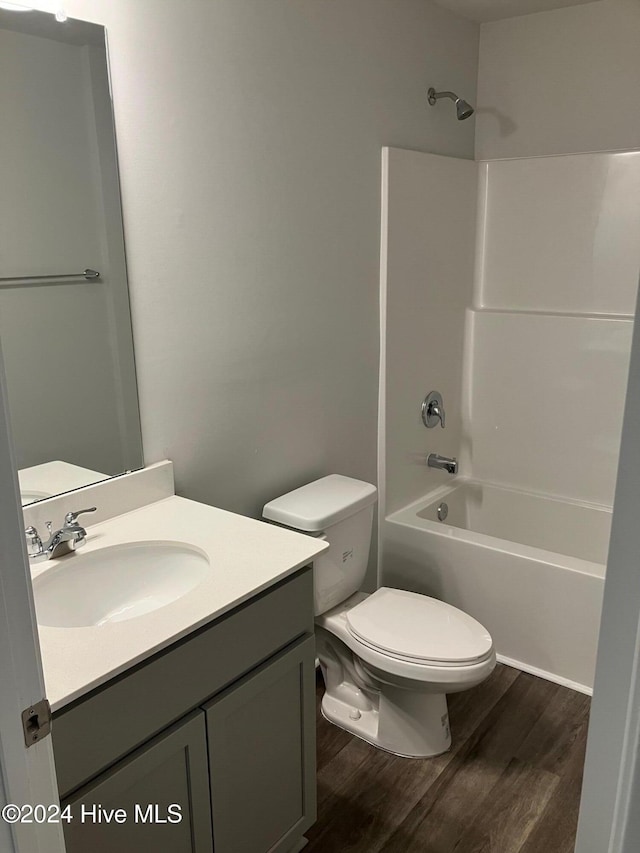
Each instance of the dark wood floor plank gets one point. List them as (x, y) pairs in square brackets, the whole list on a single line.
[(511, 813), (556, 829), (510, 784), (552, 739), (341, 773), (360, 810)]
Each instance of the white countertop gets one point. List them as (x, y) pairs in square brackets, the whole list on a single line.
[(246, 556)]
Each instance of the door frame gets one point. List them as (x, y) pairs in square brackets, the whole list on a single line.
[(609, 819), (28, 774)]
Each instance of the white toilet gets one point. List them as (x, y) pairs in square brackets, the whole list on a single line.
[(390, 657)]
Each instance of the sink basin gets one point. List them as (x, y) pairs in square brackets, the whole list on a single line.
[(29, 496), (116, 583)]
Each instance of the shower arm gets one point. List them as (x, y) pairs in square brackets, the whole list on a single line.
[(434, 96)]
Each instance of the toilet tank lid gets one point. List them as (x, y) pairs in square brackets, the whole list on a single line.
[(320, 504)]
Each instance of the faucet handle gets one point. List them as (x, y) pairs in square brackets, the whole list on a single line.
[(433, 410), (71, 517), (436, 411), (34, 542)]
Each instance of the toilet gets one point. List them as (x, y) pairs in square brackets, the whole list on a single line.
[(389, 657)]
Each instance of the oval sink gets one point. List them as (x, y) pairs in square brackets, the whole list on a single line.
[(117, 583), (29, 496)]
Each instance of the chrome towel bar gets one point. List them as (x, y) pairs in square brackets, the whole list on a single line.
[(87, 274)]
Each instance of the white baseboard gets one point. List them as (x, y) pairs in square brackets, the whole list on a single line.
[(548, 676)]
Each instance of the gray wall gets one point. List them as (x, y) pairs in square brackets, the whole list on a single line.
[(560, 82), (249, 136)]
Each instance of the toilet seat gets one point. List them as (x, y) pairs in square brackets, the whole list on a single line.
[(424, 671), (418, 629)]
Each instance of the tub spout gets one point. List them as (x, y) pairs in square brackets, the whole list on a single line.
[(446, 463)]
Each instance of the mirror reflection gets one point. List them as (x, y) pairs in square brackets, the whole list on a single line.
[(65, 325)]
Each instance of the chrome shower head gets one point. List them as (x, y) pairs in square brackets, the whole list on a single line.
[(463, 109)]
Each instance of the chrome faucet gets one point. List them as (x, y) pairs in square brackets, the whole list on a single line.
[(446, 463), (60, 542), (433, 410)]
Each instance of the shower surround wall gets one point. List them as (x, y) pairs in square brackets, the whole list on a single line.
[(550, 332), (535, 405)]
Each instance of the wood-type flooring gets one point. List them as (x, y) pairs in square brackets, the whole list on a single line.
[(510, 783)]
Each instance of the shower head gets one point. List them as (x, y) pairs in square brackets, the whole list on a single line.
[(463, 109)]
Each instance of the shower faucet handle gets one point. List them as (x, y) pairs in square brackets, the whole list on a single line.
[(433, 410), (436, 411)]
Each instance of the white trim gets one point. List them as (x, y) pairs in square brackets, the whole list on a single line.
[(382, 374), (587, 152), (608, 820), (479, 265), (28, 774), (625, 807), (542, 673)]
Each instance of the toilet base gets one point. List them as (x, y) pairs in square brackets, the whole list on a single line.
[(403, 722), (299, 845)]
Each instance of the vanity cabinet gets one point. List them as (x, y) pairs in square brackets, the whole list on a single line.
[(262, 772), (220, 726), (168, 772)]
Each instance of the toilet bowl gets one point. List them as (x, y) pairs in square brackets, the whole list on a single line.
[(388, 658), (387, 672)]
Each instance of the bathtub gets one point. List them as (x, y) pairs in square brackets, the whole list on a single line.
[(529, 567)]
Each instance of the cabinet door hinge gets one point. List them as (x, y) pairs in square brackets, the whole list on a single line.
[(36, 722)]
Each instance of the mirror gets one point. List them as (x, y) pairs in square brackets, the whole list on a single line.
[(65, 324)]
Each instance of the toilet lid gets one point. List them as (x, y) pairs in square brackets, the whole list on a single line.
[(415, 626)]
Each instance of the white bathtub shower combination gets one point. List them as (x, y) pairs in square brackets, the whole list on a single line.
[(528, 566), (509, 287)]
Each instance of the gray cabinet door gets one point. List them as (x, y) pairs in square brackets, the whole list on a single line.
[(261, 735), (163, 780)]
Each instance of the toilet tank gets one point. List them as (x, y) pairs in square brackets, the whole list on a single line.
[(340, 509)]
